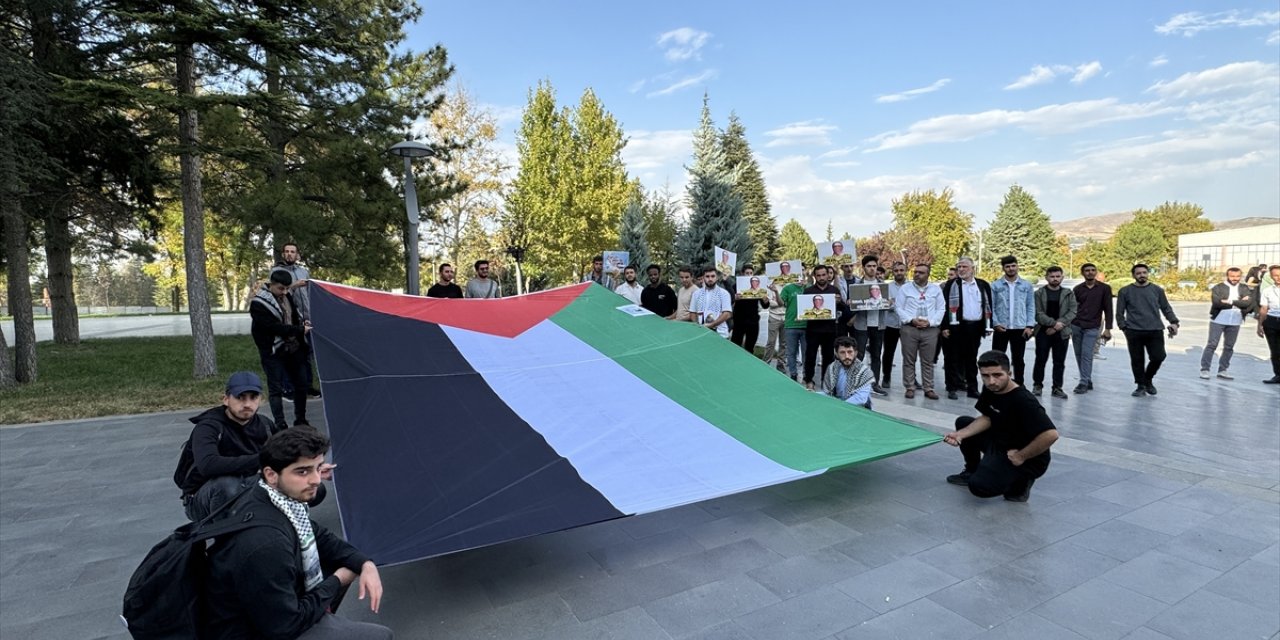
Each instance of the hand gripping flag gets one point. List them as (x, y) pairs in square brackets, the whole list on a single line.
[(463, 423)]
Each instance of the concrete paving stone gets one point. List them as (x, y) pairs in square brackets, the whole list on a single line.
[(992, 597), (1088, 511), (1253, 583), (886, 545), (1131, 493), (739, 503), (656, 548), (732, 528), (1062, 565), (967, 557), (630, 624), (895, 584), (951, 524), (1212, 549), (1260, 523), (804, 537), (1161, 576), (518, 620), (15, 532), (1030, 625), (625, 590), (920, 620), (877, 514), (706, 605), (1100, 609), (729, 630), (1205, 614), (809, 508), (1270, 555), (724, 561), (809, 616), (1161, 481), (660, 521), (87, 625), (1146, 633), (450, 593), (1029, 534), (804, 573), (939, 497), (1099, 475), (1166, 518), (529, 582), (1204, 500), (817, 486), (1121, 540)]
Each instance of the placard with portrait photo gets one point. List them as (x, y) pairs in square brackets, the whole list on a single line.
[(868, 297), (837, 252), (753, 287), (816, 306), (726, 261), (616, 261), (785, 272)]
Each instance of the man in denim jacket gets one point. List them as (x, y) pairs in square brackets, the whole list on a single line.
[(1013, 315)]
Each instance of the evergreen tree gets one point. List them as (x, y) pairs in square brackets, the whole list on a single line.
[(796, 244), (633, 233), (1022, 230), (935, 216), (761, 224), (1173, 219), (715, 209), (660, 208), (1135, 241)]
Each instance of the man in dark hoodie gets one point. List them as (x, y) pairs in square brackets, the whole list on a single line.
[(224, 447), (285, 578), (278, 330)]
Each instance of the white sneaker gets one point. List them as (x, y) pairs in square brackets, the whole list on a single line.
[(1204, 374), (1225, 376)]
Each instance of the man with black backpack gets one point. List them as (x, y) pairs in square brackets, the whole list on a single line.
[(279, 331)]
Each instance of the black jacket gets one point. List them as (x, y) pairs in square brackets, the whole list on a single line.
[(256, 579), (268, 325), (822, 327), (948, 318), (221, 446), (1220, 292)]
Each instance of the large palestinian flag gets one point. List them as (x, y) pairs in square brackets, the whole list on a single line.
[(463, 423)]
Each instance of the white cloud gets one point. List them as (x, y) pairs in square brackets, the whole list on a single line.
[(842, 164), (1086, 71), (648, 150), (912, 93), (812, 132), (837, 153), (504, 115), (1158, 61), (1193, 22), (1273, 38), (683, 83), (1039, 74), (1049, 119), (1236, 76), (682, 44)]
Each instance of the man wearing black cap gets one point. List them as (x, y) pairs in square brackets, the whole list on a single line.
[(221, 454)]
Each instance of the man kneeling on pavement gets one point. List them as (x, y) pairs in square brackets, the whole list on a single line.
[(1007, 447), (285, 580), (221, 455)]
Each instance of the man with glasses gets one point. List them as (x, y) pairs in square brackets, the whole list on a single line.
[(965, 324)]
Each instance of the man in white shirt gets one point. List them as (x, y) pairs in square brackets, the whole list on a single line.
[(892, 324), (919, 308), (1269, 321), (630, 289), (1230, 300), (711, 305)]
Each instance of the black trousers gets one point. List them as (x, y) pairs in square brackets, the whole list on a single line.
[(1271, 330), (278, 367), (1056, 345), (1146, 353), (993, 474), (813, 341), (891, 335), (870, 342), (745, 333), (1017, 345), (961, 368)]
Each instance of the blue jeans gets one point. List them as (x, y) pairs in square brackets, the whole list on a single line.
[(795, 345), (1083, 341)]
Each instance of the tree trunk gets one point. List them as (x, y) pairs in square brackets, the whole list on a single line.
[(7, 381), (18, 259), (57, 250), (206, 356)]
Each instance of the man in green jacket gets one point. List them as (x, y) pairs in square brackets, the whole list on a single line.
[(1055, 309)]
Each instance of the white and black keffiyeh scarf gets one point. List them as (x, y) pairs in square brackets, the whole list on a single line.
[(296, 511)]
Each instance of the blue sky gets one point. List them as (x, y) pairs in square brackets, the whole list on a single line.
[(1094, 107)]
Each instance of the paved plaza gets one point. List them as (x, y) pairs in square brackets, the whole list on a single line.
[(1159, 518)]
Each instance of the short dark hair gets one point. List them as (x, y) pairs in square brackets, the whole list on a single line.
[(845, 341), (898, 262), (686, 269), (1054, 269), (476, 266), (598, 259), (280, 276), (868, 259), (444, 266), (1134, 269), (288, 446), (1233, 270), (820, 267), (1087, 265), (994, 358), (631, 267), (291, 244), (747, 266), (1008, 260), (708, 269), (926, 265), (652, 267)]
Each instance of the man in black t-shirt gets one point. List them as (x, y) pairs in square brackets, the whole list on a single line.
[(746, 315), (445, 287), (658, 296), (1007, 447)]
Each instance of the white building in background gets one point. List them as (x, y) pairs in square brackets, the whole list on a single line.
[(1244, 248)]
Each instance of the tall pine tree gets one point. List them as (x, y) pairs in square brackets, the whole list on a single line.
[(796, 244), (761, 224), (633, 232), (715, 209), (1022, 230)]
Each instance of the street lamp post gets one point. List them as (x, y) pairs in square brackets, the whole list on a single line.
[(410, 149)]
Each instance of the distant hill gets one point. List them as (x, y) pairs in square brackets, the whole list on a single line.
[(1102, 227)]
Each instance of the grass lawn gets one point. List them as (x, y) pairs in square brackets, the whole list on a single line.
[(117, 376)]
